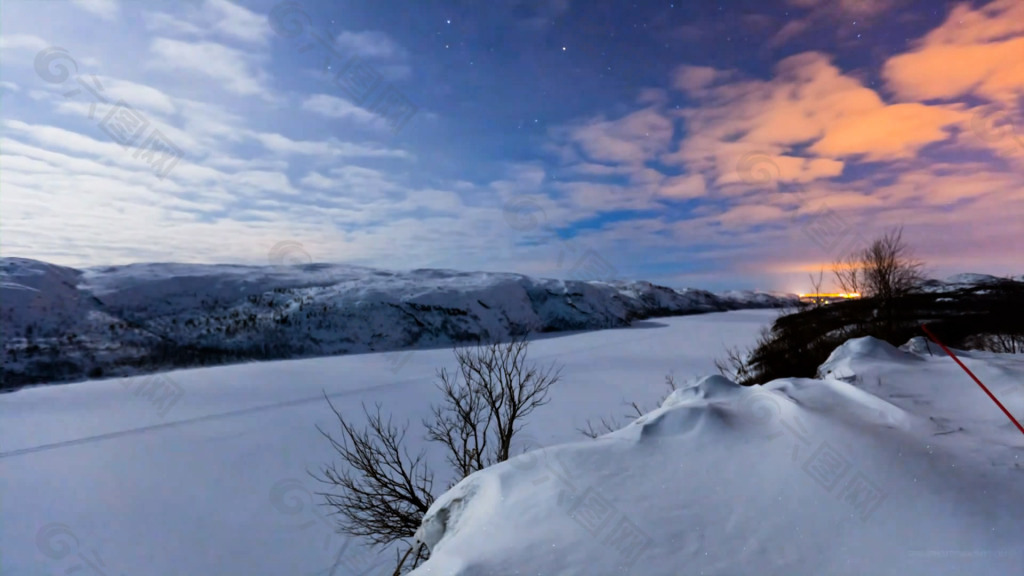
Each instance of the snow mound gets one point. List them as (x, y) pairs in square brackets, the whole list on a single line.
[(919, 345), (799, 476), (706, 387), (838, 364)]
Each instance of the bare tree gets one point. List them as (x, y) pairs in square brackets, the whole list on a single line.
[(816, 285), (891, 270), (384, 492), (849, 273), (885, 269), (608, 425), (605, 426), (735, 366), (1001, 343), (486, 407)]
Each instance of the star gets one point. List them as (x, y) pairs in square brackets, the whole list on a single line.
[(564, 48)]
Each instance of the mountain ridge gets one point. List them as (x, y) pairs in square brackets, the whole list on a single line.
[(64, 324)]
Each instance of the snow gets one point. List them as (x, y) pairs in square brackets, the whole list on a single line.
[(116, 320), (971, 278), (891, 462), (218, 483), (908, 470), (960, 281)]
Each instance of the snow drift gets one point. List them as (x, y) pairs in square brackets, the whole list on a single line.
[(903, 466)]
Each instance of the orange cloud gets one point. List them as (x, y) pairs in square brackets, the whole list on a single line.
[(994, 71), (746, 132), (810, 102), (753, 167), (887, 133), (977, 51), (807, 124)]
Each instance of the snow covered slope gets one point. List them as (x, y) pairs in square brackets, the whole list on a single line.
[(215, 481), (896, 464), (958, 281), (720, 481), (61, 324)]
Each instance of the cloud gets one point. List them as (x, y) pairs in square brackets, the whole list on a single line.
[(22, 42), (754, 166), (746, 216), (781, 152), (325, 149), (235, 21), (138, 96), (105, 9), (249, 181), (114, 209), (233, 69), (845, 7), (537, 14), (632, 139), (389, 57), (809, 102), (334, 107), (996, 21), (695, 78), (354, 183), (215, 18), (54, 137), (976, 51), (588, 199), (688, 186), (845, 17), (370, 44), (888, 133), (168, 25)]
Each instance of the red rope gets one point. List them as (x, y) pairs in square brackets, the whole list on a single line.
[(971, 374)]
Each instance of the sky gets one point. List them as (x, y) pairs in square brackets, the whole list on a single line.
[(717, 145)]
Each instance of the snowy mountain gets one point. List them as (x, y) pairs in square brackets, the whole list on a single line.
[(61, 323), (896, 463), (958, 281)]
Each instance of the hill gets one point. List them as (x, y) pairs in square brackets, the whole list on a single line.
[(65, 324)]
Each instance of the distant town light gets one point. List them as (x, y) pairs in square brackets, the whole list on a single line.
[(830, 296)]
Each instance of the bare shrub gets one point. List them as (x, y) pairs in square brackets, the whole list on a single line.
[(608, 425), (1000, 343), (383, 492), (484, 409), (885, 269), (816, 285)]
